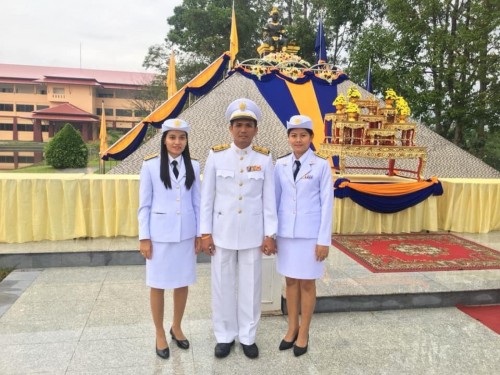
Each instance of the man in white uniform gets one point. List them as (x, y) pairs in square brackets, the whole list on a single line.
[(238, 222)]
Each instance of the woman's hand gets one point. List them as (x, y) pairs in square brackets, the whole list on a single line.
[(146, 248), (197, 245), (321, 252), (268, 246)]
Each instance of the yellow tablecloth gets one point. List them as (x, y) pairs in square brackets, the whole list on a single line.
[(35, 207), (350, 218), (469, 205)]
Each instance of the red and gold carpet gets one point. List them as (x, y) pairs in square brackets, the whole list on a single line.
[(489, 315), (417, 252)]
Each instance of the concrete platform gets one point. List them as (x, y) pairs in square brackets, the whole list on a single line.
[(346, 285), (96, 320)]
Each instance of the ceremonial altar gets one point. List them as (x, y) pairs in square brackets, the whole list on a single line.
[(362, 128)]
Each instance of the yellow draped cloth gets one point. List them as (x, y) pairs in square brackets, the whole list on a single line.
[(35, 207)]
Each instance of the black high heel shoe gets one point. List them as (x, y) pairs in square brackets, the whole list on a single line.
[(183, 344), (162, 353), (285, 345), (299, 350)]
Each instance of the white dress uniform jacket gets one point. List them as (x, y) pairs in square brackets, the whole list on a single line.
[(304, 205), (168, 215), (238, 204)]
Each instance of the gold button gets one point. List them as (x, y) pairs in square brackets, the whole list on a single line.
[(239, 211), (178, 212), (241, 157), (241, 183), (177, 187), (241, 170), (179, 199), (240, 198)]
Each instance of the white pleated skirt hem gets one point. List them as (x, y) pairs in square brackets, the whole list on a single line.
[(297, 258), (173, 265)]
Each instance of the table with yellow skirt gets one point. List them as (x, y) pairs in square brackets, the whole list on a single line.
[(36, 207)]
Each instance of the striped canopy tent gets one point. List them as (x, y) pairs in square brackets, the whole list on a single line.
[(287, 91), (171, 108)]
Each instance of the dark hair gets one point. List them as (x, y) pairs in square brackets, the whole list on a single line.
[(164, 164), (247, 118), (311, 133)]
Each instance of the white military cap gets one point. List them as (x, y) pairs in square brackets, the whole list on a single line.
[(174, 124), (299, 122), (243, 108)]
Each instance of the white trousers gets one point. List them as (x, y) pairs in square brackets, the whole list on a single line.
[(236, 294)]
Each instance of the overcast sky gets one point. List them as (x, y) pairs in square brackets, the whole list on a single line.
[(113, 34)]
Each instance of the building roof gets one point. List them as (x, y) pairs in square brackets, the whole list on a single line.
[(12, 73), (64, 112)]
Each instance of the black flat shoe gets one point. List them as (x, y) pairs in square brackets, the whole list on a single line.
[(183, 344), (251, 351), (223, 349), (285, 345), (299, 350), (163, 353)]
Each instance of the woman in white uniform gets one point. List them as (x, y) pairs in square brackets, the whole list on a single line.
[(304, 199), (169, 207)]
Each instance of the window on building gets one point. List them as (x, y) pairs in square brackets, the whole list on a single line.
[(125, 94), (6, 107), (105, 93), (25, 107), (6, 127), (4, 87), (39, 107), (26, 159), (41, 90), (25, 89), (45, 128), (25, 127), (124, 112), (140, 113), (6, 159), (107, 111), (58, 90)]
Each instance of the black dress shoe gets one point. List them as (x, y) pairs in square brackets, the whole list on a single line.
[(299, 350), (163, 353), (183, 344), (285, 345), (222, 349), (251, 351)]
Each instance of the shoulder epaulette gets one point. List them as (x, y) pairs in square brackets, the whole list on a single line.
[(221, 147), (261, 150), (151, 156), (284, 156), (320, 155)]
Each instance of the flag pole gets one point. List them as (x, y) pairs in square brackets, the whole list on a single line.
[(233, 39)]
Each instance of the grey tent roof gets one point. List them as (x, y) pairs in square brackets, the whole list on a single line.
[(209, 128)]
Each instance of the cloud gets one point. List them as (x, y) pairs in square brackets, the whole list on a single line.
[(113, 34)]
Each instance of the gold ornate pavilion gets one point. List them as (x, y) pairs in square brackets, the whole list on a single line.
[(371, 131)]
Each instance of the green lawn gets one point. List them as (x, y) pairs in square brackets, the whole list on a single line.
[(43, 168)]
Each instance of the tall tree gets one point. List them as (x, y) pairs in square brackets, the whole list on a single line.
[(444, 57)]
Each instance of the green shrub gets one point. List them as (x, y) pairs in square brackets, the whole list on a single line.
[(66, 149)]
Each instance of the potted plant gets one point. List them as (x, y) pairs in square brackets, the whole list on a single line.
[(352, 110), (353, 93), (390, 97), (340, 103), (402, 108)]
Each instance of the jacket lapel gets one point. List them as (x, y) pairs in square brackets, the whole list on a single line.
[(305, 167)]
